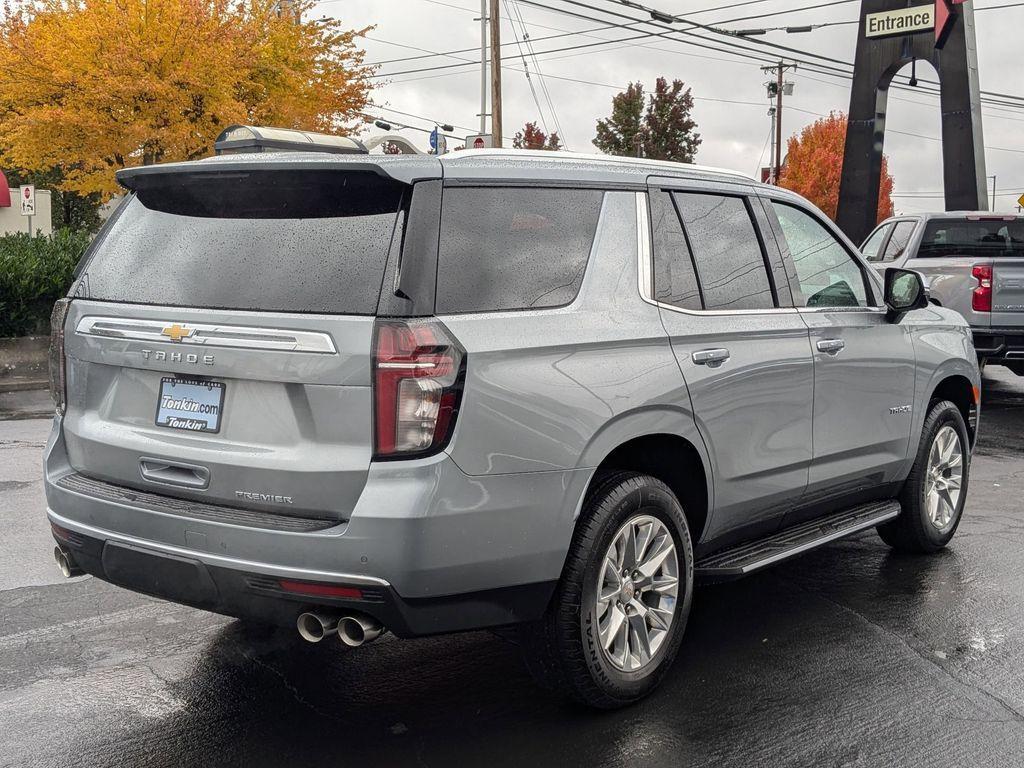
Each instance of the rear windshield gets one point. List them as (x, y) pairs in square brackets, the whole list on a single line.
[(983, 238), (309, 241)]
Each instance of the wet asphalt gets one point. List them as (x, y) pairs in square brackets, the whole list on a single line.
[(848, 656)]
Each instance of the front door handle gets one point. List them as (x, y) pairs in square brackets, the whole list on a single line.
[(831, 346), (710, 357)]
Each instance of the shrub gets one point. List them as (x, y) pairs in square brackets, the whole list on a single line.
[(35, 271)]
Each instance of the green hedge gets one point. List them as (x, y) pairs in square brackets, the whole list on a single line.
[(35, 271)]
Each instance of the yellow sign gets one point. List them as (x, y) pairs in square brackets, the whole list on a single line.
[(1020, 201), (903, 21)]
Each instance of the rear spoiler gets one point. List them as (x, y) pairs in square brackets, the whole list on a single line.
[(406, 169)]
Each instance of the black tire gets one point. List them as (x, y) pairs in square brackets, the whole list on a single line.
[(913, 531), (562, 650)]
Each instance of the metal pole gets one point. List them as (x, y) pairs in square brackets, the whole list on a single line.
[(993, 193), (495, 22), (483, 67), (778, 125)]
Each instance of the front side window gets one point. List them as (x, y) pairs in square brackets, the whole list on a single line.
[(726, 250), (513, 248), (872, 248), (899, 241), (827, 275)]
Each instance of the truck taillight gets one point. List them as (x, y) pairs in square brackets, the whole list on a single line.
[(418, 369), (981, 297), (57, 366)]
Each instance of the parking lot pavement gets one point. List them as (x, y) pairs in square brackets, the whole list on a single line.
[(850, 655)]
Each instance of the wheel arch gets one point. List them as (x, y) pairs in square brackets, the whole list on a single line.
[(664, 444), (959, 390)]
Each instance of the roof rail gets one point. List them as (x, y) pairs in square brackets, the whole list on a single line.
[(668, 165)]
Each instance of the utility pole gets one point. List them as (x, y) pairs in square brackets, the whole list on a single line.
[(495, 22), (771, 141), (483, 67), (776, 89)]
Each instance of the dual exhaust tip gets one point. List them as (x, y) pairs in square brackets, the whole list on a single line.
[(66, 563), (353, 630)]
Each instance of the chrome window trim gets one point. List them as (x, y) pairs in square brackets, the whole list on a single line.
[(645, 267), (208, 335)]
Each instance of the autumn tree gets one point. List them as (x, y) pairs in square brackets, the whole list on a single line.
[(658, 126), (90, 86), (532, 137), (814, 164)]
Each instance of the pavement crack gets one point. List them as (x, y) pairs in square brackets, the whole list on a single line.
[(288, 685), (1016, 715)]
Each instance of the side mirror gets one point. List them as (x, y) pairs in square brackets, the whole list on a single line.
[(904, 291)]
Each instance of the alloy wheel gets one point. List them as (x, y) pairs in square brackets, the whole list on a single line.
[(637, 589)]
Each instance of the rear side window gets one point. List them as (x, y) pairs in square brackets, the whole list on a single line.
[(984, 238), (873, 245), (675, 281), (508, 248), (311, 241), (726, 250), (900, 239)]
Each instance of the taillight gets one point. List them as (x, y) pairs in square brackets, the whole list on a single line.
[(58, 377), (417, 378), (981, 297)]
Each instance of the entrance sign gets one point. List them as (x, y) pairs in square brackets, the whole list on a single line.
[(890, 38), (917, 18)]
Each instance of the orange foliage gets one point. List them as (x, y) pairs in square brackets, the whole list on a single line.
[(90, 86), (814, 163)]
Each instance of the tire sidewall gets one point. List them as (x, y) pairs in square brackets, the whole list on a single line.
[(657, 501), (943, 414)]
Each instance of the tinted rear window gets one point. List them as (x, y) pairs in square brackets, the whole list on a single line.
[(310, 241), (983, 239), (730, 263), (513, 248)]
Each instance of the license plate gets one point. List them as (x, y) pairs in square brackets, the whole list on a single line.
[(190, 404)]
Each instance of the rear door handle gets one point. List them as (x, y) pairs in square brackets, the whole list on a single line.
[(710, 357), (831, 346)]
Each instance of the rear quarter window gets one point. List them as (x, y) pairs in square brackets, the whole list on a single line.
[(508, 248)]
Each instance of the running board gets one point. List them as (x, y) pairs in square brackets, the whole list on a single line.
[(752, 556)]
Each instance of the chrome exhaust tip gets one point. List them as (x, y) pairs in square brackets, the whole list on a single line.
[(354, 631), (66, 563), (314, 627)]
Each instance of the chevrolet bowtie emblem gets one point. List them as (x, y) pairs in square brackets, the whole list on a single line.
[(176, 332)]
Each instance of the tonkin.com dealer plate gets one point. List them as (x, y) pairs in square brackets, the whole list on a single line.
[(190, 404)]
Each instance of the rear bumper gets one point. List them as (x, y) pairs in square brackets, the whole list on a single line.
[(188, 578), (430, 548), (999, 345)]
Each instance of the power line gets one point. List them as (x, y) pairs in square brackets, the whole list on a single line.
[(789, 10)]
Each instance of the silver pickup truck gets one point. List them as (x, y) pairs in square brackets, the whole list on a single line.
[(972, 263)]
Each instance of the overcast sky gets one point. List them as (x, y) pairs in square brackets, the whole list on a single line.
[(734, 134)]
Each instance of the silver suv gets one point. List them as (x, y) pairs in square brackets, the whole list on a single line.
[(972, 262), (537, 392)]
